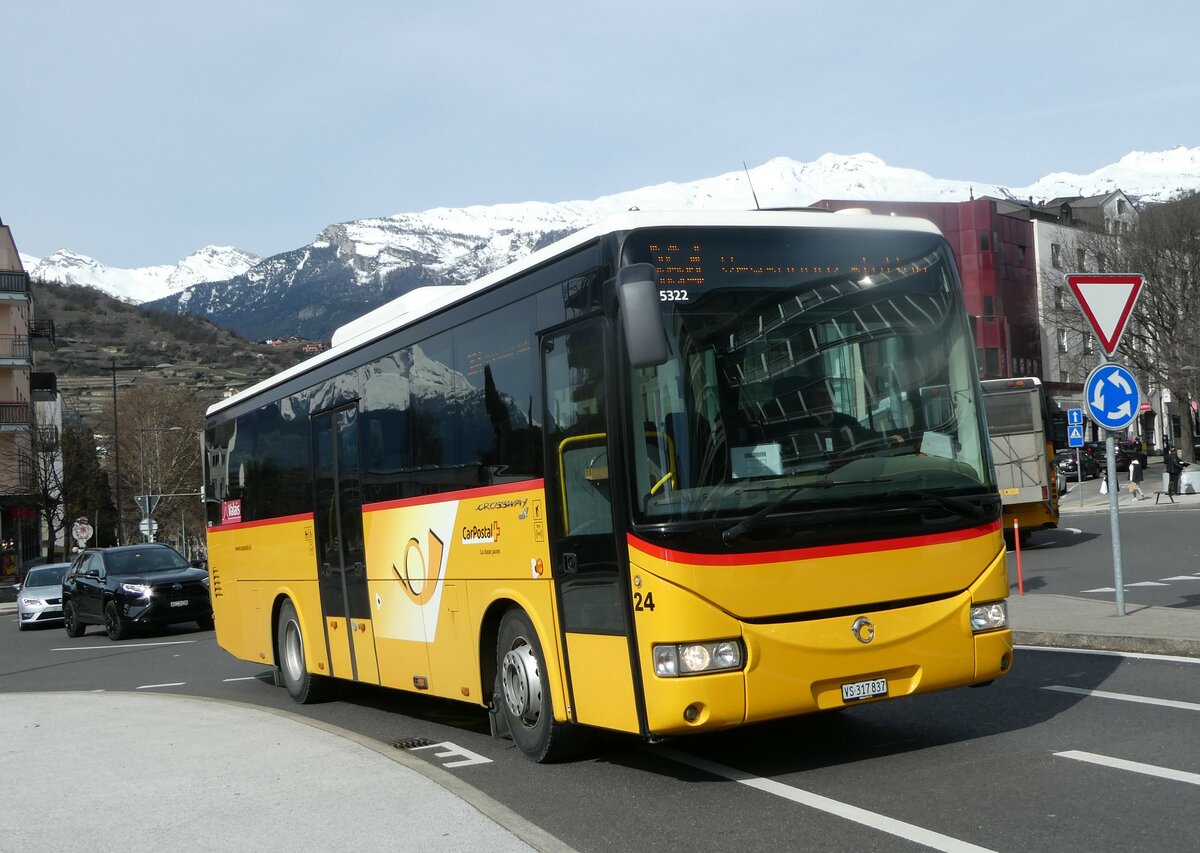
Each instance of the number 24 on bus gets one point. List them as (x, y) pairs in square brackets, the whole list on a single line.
[(580, 504)]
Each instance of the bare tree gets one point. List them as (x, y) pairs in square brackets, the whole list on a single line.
[(86, 491), (34, 470), (159, 448), (1160, 344)]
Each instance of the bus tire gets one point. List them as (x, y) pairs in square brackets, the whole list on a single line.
[(522, 698), (305, 687)]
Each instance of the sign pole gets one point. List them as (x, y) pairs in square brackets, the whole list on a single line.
[(1114, 486), (1111, 392), (1079, 471), (1112, 397)]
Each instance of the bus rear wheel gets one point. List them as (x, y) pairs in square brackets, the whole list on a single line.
[(522, 695), (304, 687)]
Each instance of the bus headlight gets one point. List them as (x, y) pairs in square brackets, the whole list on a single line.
[(990, 616), (694, 658)]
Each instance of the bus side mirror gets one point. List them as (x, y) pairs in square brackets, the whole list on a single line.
[(637, 296)]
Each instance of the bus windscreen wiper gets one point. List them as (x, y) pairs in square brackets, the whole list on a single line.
[(965, 508), (750, 522)]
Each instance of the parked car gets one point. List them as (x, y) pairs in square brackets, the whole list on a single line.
[(39, 596), (134, 586), (1065, 462)]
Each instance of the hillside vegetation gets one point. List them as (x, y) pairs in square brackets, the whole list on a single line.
[(94, 332)]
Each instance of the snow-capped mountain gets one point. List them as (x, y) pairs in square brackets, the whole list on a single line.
[(353, 267), (145, 284)]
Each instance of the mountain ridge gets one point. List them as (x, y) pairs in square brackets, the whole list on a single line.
[(353, 267)]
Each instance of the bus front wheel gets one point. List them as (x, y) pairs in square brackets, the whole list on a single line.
[(522, 694), (305, 687)]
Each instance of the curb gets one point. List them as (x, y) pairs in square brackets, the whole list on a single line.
[(1109, 643)]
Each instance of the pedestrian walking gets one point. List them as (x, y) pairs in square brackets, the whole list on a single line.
[(1135, 478)]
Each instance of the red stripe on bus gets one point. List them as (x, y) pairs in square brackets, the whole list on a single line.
[(283, 519), (818, 551), (463, 494)]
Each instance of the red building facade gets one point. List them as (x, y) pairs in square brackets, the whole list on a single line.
[(995, 257)]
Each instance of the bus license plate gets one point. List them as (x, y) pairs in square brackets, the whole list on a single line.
[(864, 689), (184, 603)]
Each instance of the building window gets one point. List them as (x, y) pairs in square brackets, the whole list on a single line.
[(1064, 376), (1021, 256), (983, 241), (1056, 256), (989, 306), (1089, 344), (1062, 340), (1120, 207), (1101, 263), (1080, 260), (1058, 296)]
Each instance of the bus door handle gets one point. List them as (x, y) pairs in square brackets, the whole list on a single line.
[(359, 569), (570, 563), (326, 569)]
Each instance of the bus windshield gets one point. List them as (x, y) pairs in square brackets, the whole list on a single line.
[(813, 373)]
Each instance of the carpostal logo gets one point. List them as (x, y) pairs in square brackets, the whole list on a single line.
[(481, 534), (509, 504)]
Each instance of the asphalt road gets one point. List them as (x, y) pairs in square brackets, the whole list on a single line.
[(1039, 761), (1160, 556)]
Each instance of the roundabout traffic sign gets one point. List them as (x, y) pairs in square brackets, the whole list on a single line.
[(1112, 396)]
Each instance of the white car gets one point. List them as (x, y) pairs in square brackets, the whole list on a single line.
[(39, 597)]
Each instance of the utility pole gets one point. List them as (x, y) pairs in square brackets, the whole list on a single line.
[(117, 451)]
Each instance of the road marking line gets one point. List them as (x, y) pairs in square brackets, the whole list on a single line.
[(898, 828), (1134, 655), (1101, 589), (1132, 766), (1181, 578), (243, 678), (1146, 583), (153, 686), (122, 646), (1126, 697)]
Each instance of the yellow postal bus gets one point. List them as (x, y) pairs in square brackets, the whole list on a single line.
[(672, 474)]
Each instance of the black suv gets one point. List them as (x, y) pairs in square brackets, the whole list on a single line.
[(133, 586)]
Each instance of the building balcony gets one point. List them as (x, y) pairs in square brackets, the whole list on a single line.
[(43, 387), (16, 417), (41, 335), (14, 287), (15, 351)]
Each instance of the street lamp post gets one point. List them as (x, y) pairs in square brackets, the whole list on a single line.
[(116, 440)]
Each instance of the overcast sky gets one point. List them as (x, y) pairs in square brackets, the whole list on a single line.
[(138, 132)]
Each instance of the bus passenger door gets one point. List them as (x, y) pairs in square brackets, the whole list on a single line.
[(583, 539), (341, 557)]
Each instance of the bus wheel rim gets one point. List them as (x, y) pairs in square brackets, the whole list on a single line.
[(522, 684), (292, 654)]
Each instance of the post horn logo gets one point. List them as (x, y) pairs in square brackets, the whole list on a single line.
[(420, 583), (863, 630)]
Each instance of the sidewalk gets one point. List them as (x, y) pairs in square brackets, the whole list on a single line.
[(183, 773), (1081, 623)]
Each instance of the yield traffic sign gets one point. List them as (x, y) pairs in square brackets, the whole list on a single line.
[(1106, 301), (147, 503)]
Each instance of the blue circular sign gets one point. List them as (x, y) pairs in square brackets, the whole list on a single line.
[(1111, 396)]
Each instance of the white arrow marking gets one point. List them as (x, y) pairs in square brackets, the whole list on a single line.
[(1117, 379), (453, 750), (1098, 397), (1123, 410)]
